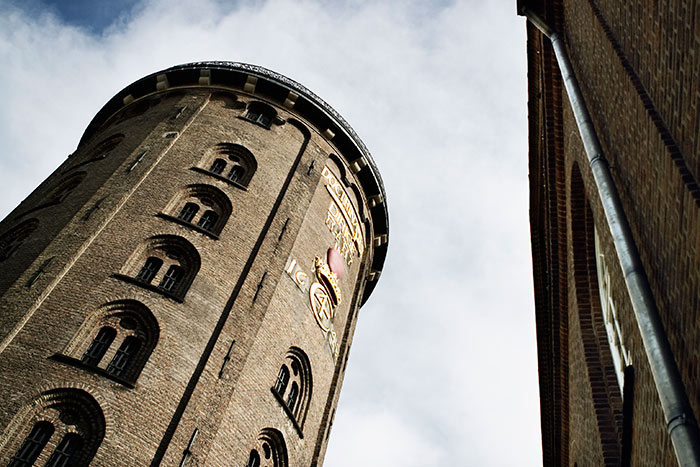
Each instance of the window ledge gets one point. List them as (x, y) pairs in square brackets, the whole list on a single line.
[(288, 412), (190, 225), (220, 177), (148, 286), (65, 359)]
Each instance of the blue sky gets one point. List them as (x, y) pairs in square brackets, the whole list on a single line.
[(93, 15), (443, 364)]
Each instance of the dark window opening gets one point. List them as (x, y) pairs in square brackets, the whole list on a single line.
[(253, 459), (67, 452), (218, 166), (292, 397), (99, 346), (124, 356), (236, 173), (149, 269), (208, 220), (282, 380), (172, 278), (188, 212), (259, 118), (32, 445)]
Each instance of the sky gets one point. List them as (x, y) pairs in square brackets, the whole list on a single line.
[(443, 367)]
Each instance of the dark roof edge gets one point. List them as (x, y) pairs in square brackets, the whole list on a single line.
[(372, 185)]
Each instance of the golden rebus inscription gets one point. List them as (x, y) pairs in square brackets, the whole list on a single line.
[(342, 219), (319, 302)]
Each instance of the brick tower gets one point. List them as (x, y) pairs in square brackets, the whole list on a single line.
[(183, 289)]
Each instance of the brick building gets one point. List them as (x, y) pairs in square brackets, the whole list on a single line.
[(183, 289), (637, 65)]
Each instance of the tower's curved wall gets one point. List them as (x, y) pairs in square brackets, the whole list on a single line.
[(194, 271)]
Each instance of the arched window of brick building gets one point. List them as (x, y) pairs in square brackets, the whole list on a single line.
[(261, 114), (15, 237), (64, 188), (230, 162), (270, 450), (116, 340), (62, 427), (606, 394), (253, 459), (203, 207), (166, 264), (293, 385), (100, 151), (282, 380)]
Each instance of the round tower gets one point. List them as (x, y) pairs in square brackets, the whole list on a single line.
[(184, 288)]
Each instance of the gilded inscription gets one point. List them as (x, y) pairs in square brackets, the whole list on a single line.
[(342, 213)]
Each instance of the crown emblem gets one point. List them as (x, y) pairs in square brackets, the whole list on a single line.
[(328, 279)]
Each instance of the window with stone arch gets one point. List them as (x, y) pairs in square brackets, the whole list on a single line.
[(62, 427), (293, 386), (270, 450), (261, 114), (166, 264), (116, 340), (100, 151), (230, 162), (202, 207), (11, 240)]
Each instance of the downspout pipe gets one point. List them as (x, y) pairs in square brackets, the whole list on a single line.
[(680, 421)]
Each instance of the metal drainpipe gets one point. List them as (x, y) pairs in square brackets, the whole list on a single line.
[(680, 421)]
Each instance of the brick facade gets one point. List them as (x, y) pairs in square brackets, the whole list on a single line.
[(162, 331), (638, 67)]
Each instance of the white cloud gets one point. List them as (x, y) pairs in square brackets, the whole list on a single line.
[(443, 366)]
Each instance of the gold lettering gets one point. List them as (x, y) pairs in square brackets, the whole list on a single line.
[(341, 198), (291, 264), (300, 277)]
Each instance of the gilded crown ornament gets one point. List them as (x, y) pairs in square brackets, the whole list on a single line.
[(328, 279)]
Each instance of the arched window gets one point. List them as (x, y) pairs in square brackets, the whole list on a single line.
[(292, 396), (217, 166), (33, 445), (282, 380), (230, 162), (116, 340), (236, 173), (67, 452), (150, 269), (61, 192), (253, 459), (208, 220), (171, 279), (169, 261), (15, 237), (274, 450), (62, 427), (203, 207), (126, 353), (99, 346), (100, 151), (188, 212), (293, 389), (261, 114), (591, 314)]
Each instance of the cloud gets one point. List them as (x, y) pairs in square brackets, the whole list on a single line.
[(443, 365)]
